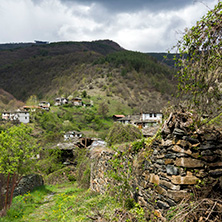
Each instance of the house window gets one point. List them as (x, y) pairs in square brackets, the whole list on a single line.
[(150, 114), (154, 114)]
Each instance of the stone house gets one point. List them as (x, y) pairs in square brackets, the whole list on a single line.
[(21, 116), (125, 120), (44, 105), (152, 116), (116, 117), (77, 101), (30, 108), (144, 120), (61, 101), (71, 135)]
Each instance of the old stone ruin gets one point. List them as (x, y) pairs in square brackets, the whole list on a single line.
[(162, 174)]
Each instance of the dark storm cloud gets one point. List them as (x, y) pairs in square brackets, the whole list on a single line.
[(134, 5), (141, 25)]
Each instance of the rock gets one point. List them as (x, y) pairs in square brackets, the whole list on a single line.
[(170, 156), (28, 183), (169, 185), (189, 163), (189, 179), (167, 143), (192, 140), (209, 158), (195, 155), (207, 146), (155, 152), (183, 143), (160, 156), (179, 132), (160, 190), (168, 161), (201, 174), (177, 195), (154, 179), (217, 164), (162, 205), (215, 173), (172, 170), (207, 153), (178, 149), (160, 162)]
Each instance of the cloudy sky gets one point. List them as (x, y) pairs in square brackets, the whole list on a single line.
[(139, 25)]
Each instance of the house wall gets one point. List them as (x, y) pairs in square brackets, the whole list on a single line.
[(22, 117), (150, 116)]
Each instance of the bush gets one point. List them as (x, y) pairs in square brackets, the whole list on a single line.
[(120, 133), (137, 146), (51, 161)]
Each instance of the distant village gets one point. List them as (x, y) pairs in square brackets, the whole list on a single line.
[(148, 121)]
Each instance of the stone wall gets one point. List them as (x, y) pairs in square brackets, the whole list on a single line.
[(166, 171), (28, 183)]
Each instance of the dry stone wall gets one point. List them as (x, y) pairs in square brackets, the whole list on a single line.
[(166, 171), (28, 183)]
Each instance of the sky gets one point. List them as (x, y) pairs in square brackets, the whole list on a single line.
[(138, 25)]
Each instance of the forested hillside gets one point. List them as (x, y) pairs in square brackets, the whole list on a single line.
[(99, 67)]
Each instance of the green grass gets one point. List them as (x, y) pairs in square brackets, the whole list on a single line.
[(65, 202)]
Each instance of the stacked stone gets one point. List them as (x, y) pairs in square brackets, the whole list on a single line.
[(166, 172), (28, 183), (99, 167), (183, 158)]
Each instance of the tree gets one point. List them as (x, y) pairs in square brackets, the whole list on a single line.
[(84, 94), (103, 109), (200, 64), (17, 149), (120, 133)]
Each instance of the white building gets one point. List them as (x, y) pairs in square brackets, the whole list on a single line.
[(77, 101), (44, 105), (61, 101), (152, 116), (144, 120), (71, 135), (21, 116)]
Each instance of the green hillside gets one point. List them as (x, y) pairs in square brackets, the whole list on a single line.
[(101, 68)]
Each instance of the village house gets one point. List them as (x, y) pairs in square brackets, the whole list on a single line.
[(44, 105), (30, 108), (152, 116), (116, 117), (21, 116), (61, 101), (77, 101), (145, 123), (144, 120), (125, 120), (71, 135)]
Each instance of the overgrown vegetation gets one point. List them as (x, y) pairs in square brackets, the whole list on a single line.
[(18, 149), (200, 62), (67, 202), (120, 133)]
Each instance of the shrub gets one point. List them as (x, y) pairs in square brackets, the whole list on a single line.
[(120, 133)]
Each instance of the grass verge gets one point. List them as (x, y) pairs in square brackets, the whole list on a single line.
[(65, 202)]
